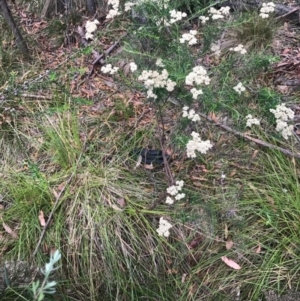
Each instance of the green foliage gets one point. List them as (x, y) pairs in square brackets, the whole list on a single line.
[(255, 32), (267, 99)]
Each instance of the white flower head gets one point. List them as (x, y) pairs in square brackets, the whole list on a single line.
[(172, 190), (240, 48), (164, 227), (239, 88), (203, 19), (159, 63), (176, 16), (189, 37), (133, 66), (198, 76), (91, 26), (251, 121), (169, 200), (196, 144), (129, 5), (180, 196), (282, 115)]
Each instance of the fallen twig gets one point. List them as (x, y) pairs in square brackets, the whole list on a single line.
[(161, 134), (257, 141), (25, 95)]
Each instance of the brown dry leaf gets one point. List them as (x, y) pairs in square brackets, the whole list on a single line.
[(283, 89), (198, 178), (286, 50), (55, 193), (42, 218), (148, 166), (270, 200), (229, 244), (9, 231), (195, 242), (121, 202), (232, 264), (213, 116), (254, 154), (232, 173), (258, 249)]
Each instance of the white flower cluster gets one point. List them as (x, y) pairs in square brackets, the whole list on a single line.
[(240, 48), (251, 120), (197, 76), (196, 92), (189, 37), (129, 5), (219, 14), (266, 9), (175, 192), (196, 144), (203, 19), (154, 79), (176, 16), (90, 27), (282, 115), (164, 227), (115, 9), (215, 14), (109, 69), (159, 63), (239, 88), (191, 114), (133, 66), (160, 3), (216, 49)]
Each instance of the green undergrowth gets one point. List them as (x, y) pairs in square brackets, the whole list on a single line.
[(241, 199)]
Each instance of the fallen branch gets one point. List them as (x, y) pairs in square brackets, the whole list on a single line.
[(25, 95), (257, 141)]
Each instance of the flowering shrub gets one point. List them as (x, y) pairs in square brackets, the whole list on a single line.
[(154, 80)]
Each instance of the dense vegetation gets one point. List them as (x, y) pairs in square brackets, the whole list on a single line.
[(154, 146)]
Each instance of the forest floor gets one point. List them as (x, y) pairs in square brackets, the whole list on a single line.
[(86, 159)]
